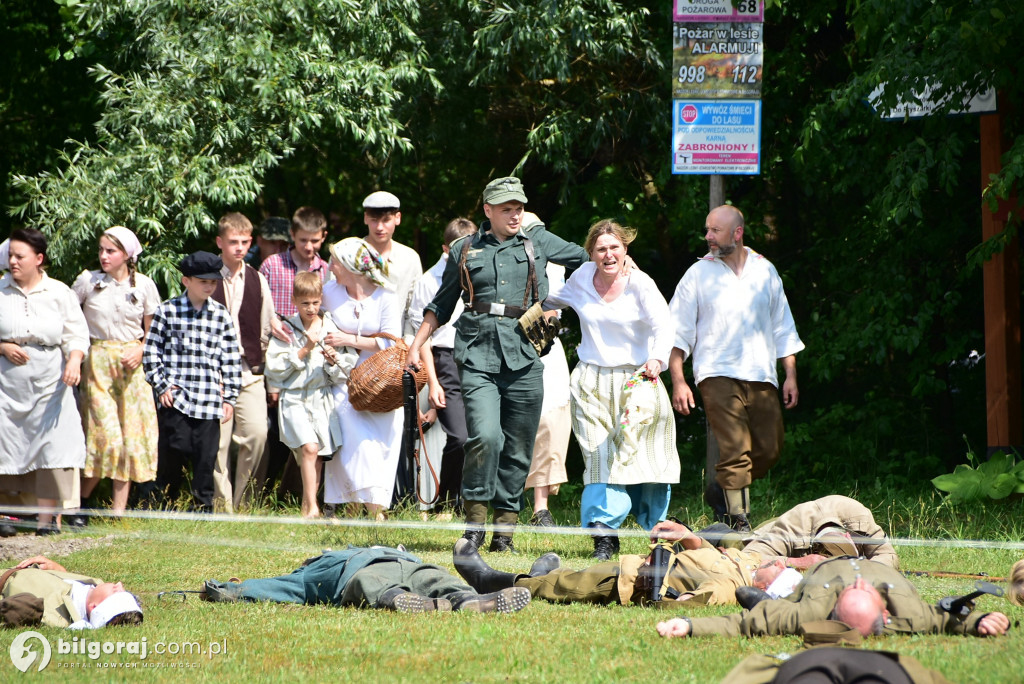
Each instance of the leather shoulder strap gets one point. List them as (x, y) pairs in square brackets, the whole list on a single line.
[(464, 279), (531, 284), (6, 576)]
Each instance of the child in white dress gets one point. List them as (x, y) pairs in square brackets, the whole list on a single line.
[(305, 370)]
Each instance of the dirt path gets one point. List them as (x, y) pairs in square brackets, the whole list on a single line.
[(28, 545)]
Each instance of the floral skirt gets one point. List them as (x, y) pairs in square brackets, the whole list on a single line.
[(118, 415)]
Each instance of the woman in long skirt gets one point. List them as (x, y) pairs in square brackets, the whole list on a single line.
[(621, 413), (43, 339), (362, 473), (118, 410)]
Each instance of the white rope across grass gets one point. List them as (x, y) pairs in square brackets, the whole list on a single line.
[(458, 527)]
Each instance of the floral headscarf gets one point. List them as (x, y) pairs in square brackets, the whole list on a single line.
[(359, 257)]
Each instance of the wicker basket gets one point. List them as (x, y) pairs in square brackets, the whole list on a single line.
[(376, 384)]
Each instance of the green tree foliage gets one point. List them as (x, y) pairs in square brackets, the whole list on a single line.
[(263, 106), (204, 97), (45, 95), (876, 221)]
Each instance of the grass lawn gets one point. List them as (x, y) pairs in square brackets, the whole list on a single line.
[(544, 643)]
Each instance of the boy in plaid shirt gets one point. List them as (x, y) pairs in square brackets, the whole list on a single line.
[(192, 361)]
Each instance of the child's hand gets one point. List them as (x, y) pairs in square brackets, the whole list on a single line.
[(330, 356), (167, 398)]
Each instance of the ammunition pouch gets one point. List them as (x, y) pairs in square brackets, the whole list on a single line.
[(539, 329)]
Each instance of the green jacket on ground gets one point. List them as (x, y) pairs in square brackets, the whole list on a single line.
[(815, 598)]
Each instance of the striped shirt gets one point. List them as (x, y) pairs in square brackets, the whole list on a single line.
[(197, 352)]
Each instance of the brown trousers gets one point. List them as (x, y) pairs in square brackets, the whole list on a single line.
[(746, 419)]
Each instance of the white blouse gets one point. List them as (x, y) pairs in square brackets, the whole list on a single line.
[(48, 315), (629, 330), (113, 310)]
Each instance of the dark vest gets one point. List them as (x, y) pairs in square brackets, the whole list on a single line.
[(248, 316)]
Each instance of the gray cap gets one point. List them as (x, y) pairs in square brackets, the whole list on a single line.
[(501, 190), (381, 200)]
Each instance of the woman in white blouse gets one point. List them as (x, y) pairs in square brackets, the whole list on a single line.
[(621, 414), (118, 410), (43, 339), (362, 474)]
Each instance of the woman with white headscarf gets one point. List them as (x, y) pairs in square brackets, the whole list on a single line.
[(43, 338), (118, 411), (361, 304)]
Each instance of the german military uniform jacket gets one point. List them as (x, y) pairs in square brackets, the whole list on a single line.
[(51, 587), (815, 598), (499, 273)]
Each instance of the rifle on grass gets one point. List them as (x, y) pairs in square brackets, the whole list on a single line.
[(953, 575)]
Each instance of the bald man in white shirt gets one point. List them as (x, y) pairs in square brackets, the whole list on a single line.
[(733, 319)]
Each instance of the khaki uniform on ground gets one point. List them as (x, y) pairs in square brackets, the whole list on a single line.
[(711, 575), (792, 534), (815, 598), (49, 585), (763, 669)]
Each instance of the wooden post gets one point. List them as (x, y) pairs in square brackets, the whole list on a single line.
[(716, 191), (1001, 278), (716, 198)]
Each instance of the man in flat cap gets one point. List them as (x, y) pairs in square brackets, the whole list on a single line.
[(382, 215), (499, 273), (193, 362)]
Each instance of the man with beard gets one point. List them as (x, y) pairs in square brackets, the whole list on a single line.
[(733, 319)]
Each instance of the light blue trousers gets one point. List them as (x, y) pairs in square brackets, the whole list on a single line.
[(610, 504)]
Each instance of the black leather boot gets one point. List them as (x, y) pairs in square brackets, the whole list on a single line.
[(714, 497), (545, 564), (542, 518), (737, 502), (474, 536), (748, 597), (509, 600), (501, 544), (738, 522), (478, 574), (501, 540), (606, 541), (476, 516)]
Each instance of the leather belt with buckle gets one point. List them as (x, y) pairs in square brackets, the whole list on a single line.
[(496, 309)]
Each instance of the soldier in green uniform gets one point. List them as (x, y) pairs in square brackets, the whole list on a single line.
[(499, 272), (377, 577), (870, 597)]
